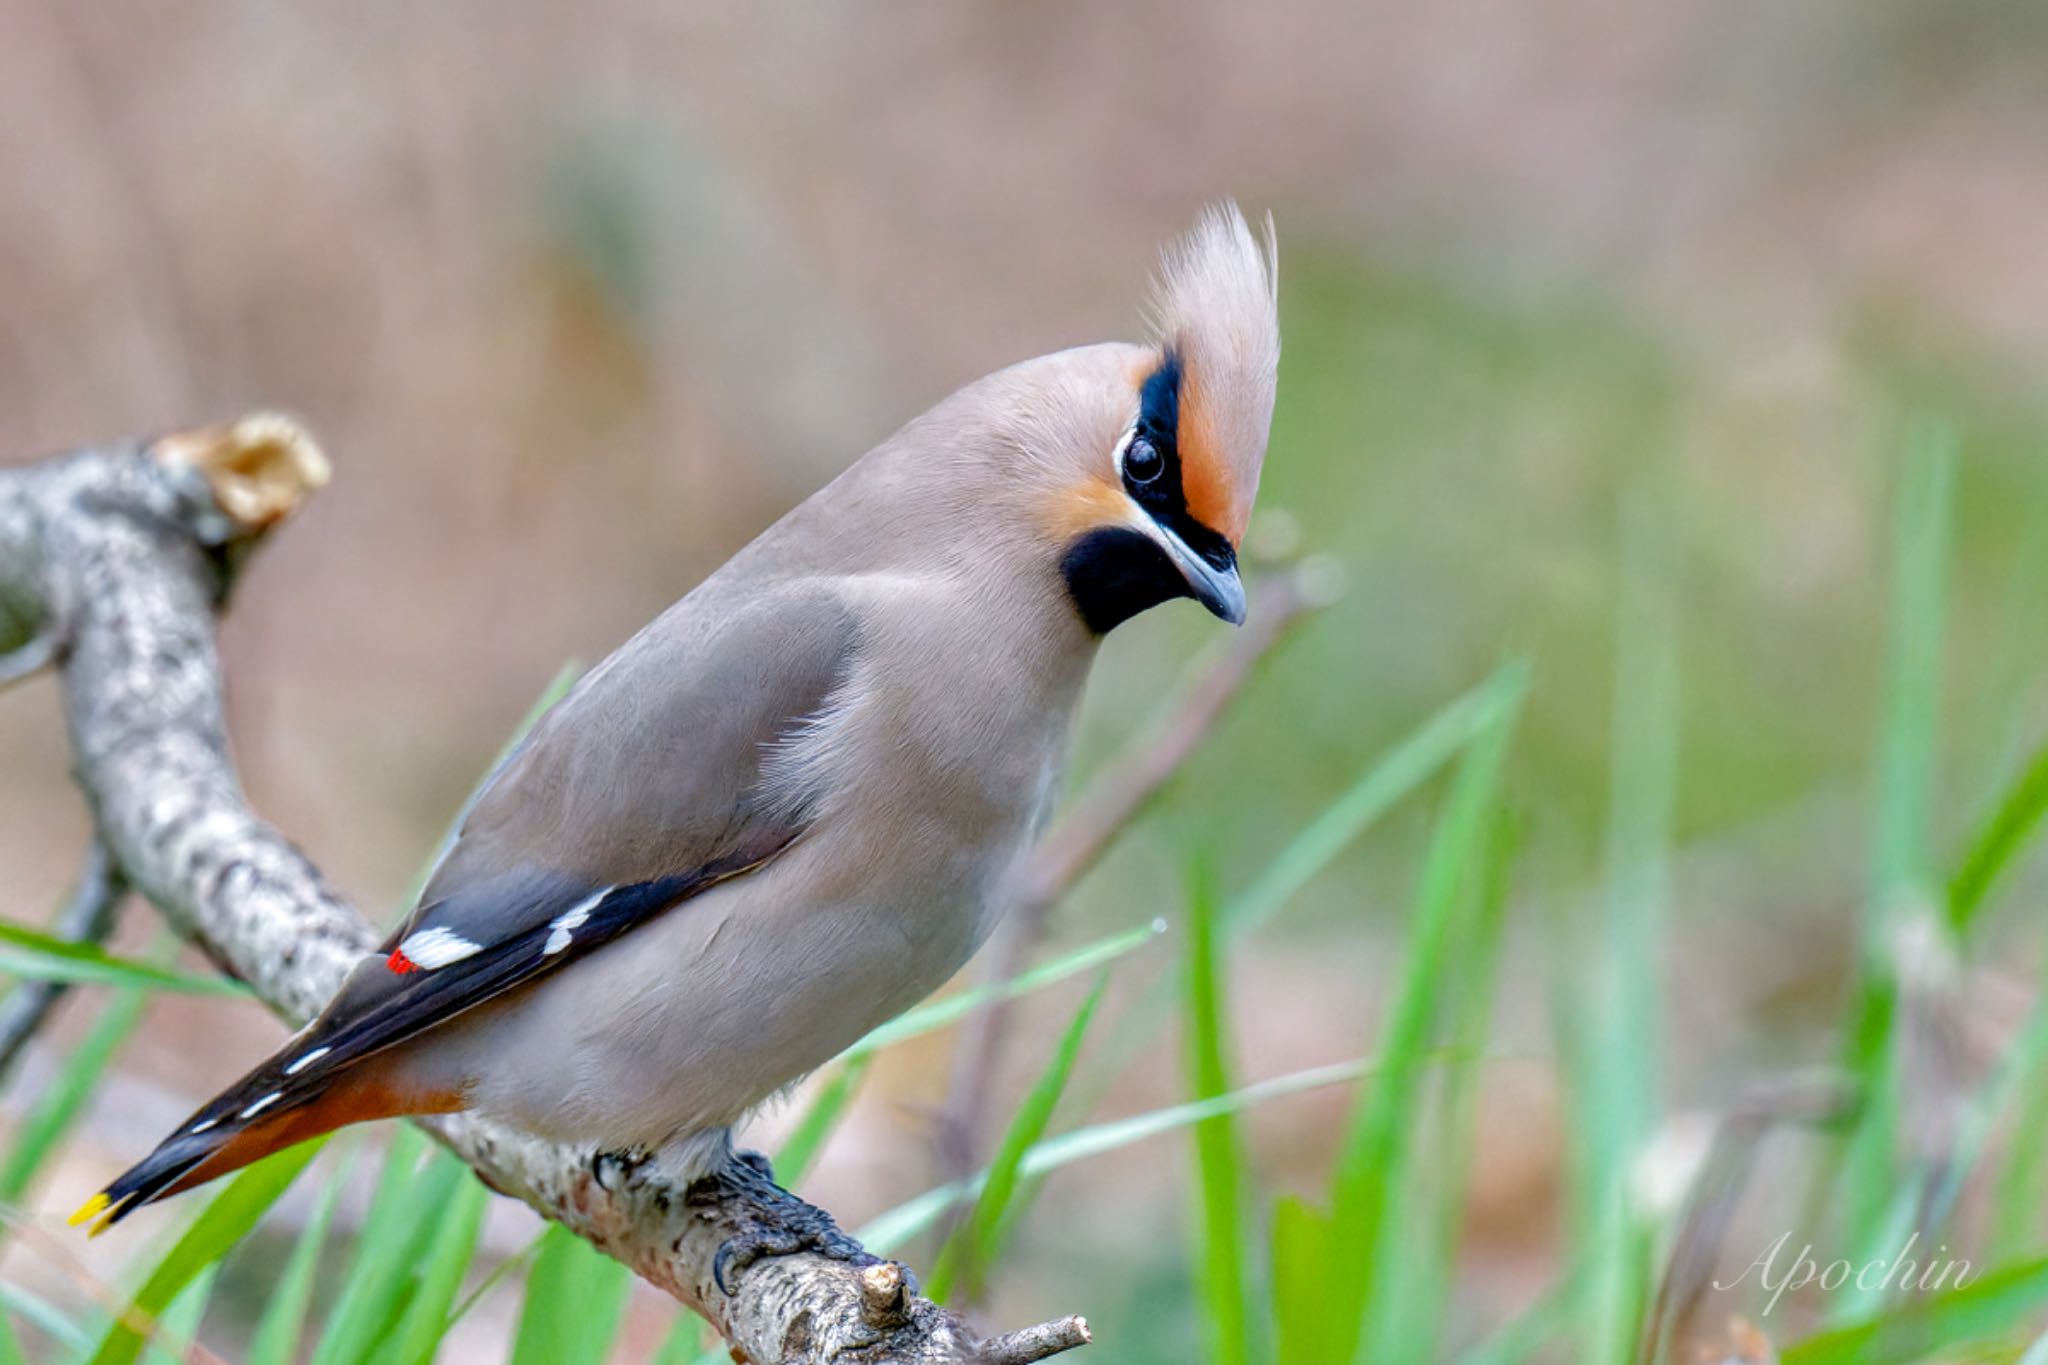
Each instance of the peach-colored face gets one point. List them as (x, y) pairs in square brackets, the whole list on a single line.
[(1095, 501)]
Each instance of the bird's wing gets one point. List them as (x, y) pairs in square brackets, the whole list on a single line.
[(639, 790)]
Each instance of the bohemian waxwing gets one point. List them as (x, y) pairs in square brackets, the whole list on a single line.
[(784, 811)]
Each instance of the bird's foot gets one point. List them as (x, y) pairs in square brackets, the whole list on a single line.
[(778, 1223), (611, 1170)]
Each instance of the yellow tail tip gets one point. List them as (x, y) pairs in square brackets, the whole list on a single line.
[(90, 1209)]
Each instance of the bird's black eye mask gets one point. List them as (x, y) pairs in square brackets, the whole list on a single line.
[(1150, 466), (1115, 572)]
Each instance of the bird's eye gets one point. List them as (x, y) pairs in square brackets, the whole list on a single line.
[(1142, 461)]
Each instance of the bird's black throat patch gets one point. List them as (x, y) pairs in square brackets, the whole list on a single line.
[(1115, 572)]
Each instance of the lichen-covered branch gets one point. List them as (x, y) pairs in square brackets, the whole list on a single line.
[(112, 564)]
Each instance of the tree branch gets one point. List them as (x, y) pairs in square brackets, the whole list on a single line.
[(88, 918), (120, 557)]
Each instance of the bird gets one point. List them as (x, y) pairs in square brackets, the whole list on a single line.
[(793, 805)]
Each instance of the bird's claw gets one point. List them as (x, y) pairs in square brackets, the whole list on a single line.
[(764, 1241), (611, 1170), (778, 1224)]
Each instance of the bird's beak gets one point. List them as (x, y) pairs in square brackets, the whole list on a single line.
[(1216, 587)]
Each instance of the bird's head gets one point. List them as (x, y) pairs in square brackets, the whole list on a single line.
[(1119, 476), (1156, 490)]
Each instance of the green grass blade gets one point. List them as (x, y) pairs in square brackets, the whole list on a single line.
[(1992, 1303), (10, 1346), (1525, 1334), (221, 1224), (2015, 1081), (2019, 1068), (1376, 1156), (379, 1286), (1101, 1138), (575, 1298), (891, 1230), (1999, 843), (58, 1108), (2020, 1189), (1379, 789), (1393, 776), (973, 1248), (374, 1282), (1899, 859), (800, 1150), (180, 1326), (403, 1245), (1998, 709), (1616, 1057), (936, 1014), (1220, 1271), (36, 956), (276, 1340), (47, 1318), (1900, 875), (455, 1220), (1411, 1325), (504, 1270), (1305, 1332), (689, 1340)]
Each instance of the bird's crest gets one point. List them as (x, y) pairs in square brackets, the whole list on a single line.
[(1215, 313)]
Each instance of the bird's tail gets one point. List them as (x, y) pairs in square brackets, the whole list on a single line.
[(190, 1156), (264, 1112)]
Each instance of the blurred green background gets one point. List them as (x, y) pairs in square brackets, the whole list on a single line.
[(1684, 351)]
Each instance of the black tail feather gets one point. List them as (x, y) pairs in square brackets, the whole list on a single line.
[(147, 1180), (202, 1136)]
